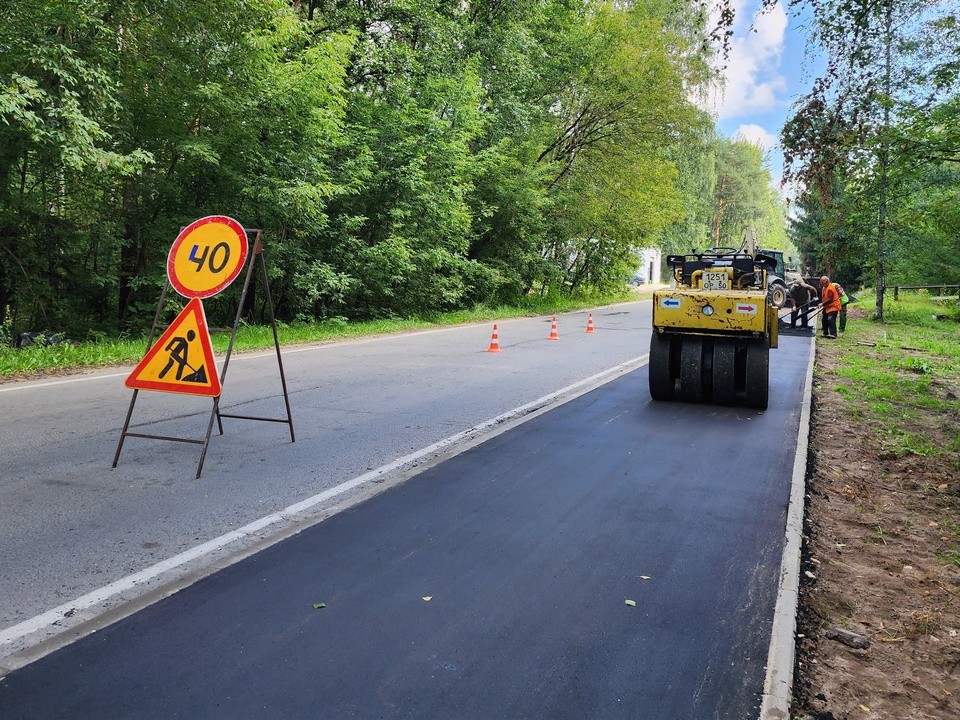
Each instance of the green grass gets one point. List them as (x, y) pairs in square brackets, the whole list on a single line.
[(126, 351), (901, 443), (950, 557), (901, 378), (903, 370)]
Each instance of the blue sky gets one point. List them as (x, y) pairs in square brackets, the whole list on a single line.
[(768, 69)]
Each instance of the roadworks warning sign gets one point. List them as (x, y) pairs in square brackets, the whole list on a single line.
[(181, 361)]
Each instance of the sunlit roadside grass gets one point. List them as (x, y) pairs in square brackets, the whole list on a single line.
[(901, 378), (123, 351), (904, 371)]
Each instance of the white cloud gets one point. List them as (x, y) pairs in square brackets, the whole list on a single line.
[(753, 82), (757, 135)]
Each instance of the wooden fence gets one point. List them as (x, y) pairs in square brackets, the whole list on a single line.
[(942, 288)]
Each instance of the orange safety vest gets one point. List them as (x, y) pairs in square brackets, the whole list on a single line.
[(830, 299)]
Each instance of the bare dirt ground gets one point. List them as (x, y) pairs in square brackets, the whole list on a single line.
[(880, 561)]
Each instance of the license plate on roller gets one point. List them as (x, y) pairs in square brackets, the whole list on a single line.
[(713, 280)]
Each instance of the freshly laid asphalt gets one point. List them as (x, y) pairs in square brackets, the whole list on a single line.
[(493, 585)]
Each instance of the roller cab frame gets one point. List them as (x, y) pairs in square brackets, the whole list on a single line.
[(713, 332)]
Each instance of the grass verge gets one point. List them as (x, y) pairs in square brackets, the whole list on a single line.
[(37, 360), (903, 371), (900, 379), (881, 536)]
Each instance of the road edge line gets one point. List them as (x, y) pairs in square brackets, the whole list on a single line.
[(404, 467), (778, 683), (90, 372)]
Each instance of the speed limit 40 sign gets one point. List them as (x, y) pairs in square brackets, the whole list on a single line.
[(207, 256)]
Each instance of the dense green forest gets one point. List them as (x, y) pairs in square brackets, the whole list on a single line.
[(874, 147), (400, 156), (411, 156)]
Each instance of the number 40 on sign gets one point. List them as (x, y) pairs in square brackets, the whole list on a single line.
[(207, 256)]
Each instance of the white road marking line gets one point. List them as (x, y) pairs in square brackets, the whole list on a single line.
[(288, 350), (91, 599), (51, 383)]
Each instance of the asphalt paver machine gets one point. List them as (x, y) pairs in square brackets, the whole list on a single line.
[(713, 331)]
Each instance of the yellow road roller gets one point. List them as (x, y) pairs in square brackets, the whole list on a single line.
[(712, 331)]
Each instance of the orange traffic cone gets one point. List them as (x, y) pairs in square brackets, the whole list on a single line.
[(590, 323), (553, 330), (494, 342)]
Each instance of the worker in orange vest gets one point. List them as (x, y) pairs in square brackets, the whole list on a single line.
[(830, 301)]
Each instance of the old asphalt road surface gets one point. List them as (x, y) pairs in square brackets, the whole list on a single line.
[(492, 585)]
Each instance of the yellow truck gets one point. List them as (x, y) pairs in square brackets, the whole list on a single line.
[(713, 331)]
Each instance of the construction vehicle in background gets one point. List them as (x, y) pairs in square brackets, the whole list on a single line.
[(779, 277), (713, 332)]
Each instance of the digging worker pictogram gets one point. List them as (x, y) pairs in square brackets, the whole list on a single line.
[(178, 348)]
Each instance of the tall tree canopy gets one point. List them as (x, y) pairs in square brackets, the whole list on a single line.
[(874, 144), (400, 156)]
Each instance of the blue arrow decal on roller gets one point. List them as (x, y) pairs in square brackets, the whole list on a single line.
[(670, 303)]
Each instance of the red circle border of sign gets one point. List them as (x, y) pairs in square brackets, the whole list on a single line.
[(171, 256)]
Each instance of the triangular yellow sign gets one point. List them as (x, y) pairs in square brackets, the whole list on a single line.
[(181, 360)]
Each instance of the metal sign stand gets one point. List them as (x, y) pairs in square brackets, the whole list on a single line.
[(215, 413)]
